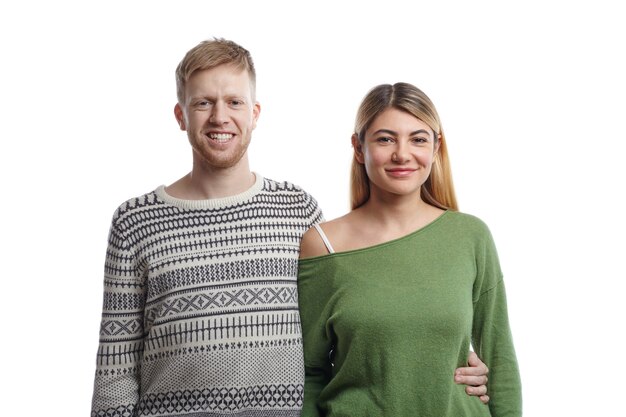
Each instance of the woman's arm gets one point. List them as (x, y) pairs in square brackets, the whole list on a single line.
[(492, 340), (314, 292), (491, 334)]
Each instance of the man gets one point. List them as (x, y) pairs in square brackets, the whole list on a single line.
[(200, 300)]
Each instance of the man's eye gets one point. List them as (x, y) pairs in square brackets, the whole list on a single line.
[(236, 102)]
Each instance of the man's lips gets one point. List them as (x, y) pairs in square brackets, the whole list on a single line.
[(220, 136)]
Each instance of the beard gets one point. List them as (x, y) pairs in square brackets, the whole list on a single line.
[(218, 158)]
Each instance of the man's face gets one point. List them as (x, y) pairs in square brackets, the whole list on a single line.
[(219, 115)]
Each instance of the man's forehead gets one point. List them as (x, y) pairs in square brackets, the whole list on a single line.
[(220, 81), (224, 70), (221, 71)]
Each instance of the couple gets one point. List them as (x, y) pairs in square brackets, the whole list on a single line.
[(200, 314)]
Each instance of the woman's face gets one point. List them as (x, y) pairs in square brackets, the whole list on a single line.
[(398, 153)]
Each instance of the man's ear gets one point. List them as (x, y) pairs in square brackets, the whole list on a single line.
[(180, 117), (358, 149), (256, 111)]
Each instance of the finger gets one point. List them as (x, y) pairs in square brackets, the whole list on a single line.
[(471, 380), (473, 358), (474, 361), (472, 371), (484, 399), (477, 391)]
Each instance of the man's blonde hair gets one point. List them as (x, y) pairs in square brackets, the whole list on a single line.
[(210, 54)]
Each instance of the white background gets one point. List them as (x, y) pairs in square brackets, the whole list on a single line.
[(532, 98)]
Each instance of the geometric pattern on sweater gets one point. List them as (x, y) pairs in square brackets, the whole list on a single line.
[(227, 362), (250, 329), (221, 272), (265, 293), (219, 329), (216, 402), (220, 346), (224, 399), (200, 307), (204, 303)]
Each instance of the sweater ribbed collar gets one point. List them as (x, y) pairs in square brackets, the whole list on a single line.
[(212, 203)]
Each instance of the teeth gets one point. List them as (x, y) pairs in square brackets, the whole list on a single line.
[(220, 137)]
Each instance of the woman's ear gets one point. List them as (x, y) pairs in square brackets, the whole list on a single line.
[(358, 149), (437, 144)]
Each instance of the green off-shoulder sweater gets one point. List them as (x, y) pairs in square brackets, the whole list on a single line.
[(385, 327)]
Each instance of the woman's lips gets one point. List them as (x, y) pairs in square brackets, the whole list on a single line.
[(400, 172)]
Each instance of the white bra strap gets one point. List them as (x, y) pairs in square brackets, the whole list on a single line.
[(324, 238)]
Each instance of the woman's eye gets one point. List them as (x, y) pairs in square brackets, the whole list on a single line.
[(385, 139)]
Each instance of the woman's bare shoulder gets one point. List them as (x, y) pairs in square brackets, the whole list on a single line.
[(312, 243)]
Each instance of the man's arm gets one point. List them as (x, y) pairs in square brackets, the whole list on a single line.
[(474, 376), (118, 365)]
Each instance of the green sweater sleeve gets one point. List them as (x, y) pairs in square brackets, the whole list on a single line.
[(314, 300), (491, 334)]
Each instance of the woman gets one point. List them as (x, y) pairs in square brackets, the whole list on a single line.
[(393, 293)]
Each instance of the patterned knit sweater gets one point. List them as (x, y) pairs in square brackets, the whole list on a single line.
[(200, 314)]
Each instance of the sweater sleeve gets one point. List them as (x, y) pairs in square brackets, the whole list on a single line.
[(314, 297), (313, 212), (491, 335), (118, 363)]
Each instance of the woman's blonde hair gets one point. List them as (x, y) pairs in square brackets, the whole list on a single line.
[(438, 189)]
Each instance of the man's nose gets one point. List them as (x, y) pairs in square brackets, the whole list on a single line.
[(218, 114)]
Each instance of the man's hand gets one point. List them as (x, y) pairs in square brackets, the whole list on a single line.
[(474, 376)]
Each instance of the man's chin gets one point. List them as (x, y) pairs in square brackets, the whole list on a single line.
[(226, 162)]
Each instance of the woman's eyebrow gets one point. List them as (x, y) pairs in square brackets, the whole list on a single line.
[(391, 132)]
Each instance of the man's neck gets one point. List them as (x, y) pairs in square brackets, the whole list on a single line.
[(207, 183)]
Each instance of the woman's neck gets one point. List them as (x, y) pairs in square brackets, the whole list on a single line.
[(398, 214)]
